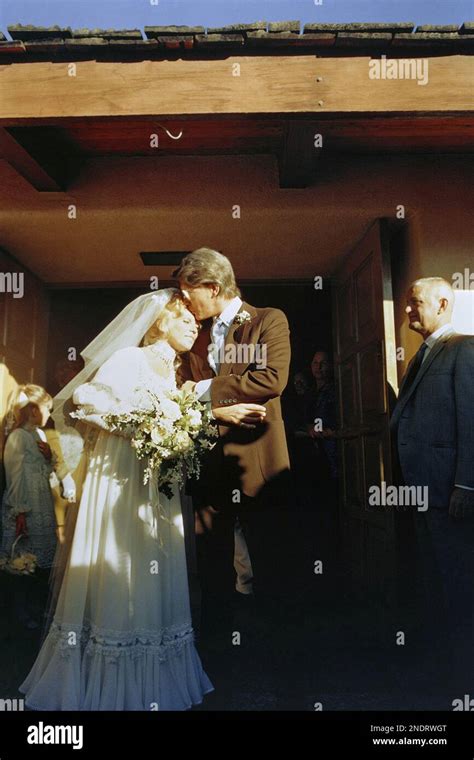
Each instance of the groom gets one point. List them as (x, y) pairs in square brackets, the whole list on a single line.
[(242, 354)]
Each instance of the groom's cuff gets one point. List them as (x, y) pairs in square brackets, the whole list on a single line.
[(203, 390)]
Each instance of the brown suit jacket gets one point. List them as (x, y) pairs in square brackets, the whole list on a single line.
[(245, 459)]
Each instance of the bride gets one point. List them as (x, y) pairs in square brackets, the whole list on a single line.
[(121, 637)]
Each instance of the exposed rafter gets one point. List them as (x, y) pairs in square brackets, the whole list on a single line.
[(42, 156)]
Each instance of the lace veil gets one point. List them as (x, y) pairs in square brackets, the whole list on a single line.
[(127, 329)]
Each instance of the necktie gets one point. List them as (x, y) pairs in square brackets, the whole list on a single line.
[(217, 341), (415, 367)]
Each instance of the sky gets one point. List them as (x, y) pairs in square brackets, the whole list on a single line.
[(120, 14)]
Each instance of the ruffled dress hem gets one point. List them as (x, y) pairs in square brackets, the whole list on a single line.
[(163, 673)]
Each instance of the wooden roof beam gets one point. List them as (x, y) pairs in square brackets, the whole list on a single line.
[(299, 154), (303, 85), (41, 157)]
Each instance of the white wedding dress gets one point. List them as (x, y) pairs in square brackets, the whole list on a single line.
[(121, 637)]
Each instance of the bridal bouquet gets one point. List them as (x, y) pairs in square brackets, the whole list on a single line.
[(172, 433)]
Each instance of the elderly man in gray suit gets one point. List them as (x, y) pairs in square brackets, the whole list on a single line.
[(433, 423)]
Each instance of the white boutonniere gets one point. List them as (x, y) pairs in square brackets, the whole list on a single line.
[(241, 317)]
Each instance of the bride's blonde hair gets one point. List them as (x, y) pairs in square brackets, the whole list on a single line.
[(159, 329)]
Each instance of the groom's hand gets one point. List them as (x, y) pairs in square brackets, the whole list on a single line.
[(242, 415), (203, 520)]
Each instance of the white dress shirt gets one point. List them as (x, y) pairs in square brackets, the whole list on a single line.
[(431, 339), (220, 327)]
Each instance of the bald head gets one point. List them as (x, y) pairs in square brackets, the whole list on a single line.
[(430, 302)]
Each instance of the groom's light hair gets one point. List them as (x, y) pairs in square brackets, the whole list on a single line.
[(205, 266)]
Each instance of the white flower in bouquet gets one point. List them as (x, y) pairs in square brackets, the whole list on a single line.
[(166, 427), (183, 441), (170, 409), (194, 417), (156, 434)]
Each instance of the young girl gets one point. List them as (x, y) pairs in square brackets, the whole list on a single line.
[(28, 507)]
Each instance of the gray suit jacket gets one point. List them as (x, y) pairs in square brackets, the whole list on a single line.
[(433, 420)]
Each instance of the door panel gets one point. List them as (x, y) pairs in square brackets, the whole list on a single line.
[(349, 404), (364, 338), (346, 311), (365, 297), (353, 486), (372, 394)]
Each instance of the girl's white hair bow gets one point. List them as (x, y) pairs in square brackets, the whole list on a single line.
[(22, 400)]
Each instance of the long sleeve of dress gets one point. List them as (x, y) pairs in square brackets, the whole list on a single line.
[(110, 391)]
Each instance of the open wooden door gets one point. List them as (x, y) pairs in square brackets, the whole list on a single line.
[(365, 367)]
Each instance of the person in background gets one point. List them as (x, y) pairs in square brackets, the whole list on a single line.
[(27, 507), (62, 496), (301, 383), (433, 429), (321, 414), (65, 509), (66, 505), (297, 414), (300, 445)]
